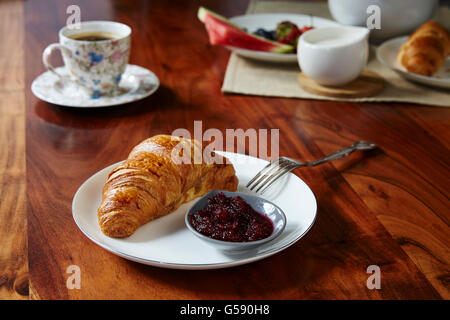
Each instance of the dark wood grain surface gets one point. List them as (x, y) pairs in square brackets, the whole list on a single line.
[(389, 208), (13, 221)]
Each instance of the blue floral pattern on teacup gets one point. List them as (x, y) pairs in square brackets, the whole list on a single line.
[(95, 57), (99, 64), (96, 94), (117, 78)]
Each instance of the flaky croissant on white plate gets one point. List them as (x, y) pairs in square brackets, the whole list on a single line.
[(150, 184), (426, 49)]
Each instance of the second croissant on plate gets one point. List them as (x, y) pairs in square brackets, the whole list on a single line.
[(426, 49)]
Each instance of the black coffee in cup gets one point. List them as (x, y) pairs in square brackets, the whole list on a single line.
[(94, 36)]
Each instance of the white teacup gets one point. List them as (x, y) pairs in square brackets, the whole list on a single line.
[(333, 56), (96, 55)]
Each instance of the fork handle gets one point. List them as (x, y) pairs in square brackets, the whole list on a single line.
[(360, 145)]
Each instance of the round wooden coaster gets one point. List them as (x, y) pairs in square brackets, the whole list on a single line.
[(368, 84)]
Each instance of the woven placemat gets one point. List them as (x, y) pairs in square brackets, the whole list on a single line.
[(251, 77)]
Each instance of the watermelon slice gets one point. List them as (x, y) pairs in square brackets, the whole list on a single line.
[(224, 33)]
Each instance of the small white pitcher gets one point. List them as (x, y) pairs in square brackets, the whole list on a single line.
[(333, 56)]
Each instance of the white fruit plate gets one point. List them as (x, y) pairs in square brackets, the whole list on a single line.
[(269, 21)]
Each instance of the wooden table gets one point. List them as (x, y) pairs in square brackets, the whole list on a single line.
[(389, 208)]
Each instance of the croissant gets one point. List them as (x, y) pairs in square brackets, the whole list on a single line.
[(151, 183), (426, 49)]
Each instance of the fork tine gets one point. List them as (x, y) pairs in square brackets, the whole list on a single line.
[(281, 164), (276, 176), (261, 171), (266, 170)]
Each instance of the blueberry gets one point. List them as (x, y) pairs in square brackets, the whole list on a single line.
[(273, 35), (270, 35)]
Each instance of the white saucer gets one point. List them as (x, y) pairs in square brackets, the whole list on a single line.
[(167, 243), (269, 21), (137, 83), (387, 54)]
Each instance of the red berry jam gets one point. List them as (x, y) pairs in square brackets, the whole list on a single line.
[(230, 219)]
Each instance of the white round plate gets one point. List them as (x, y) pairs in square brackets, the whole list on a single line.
[(137, 83), (387, 54), (269, 21), (166, 242)]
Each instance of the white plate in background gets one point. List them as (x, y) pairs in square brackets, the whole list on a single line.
[(269, 21), (387, 54)]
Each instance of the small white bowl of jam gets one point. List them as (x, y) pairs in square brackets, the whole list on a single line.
[(235, 221)]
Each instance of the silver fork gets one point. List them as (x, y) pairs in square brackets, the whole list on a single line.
[(281, 166)]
